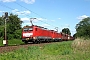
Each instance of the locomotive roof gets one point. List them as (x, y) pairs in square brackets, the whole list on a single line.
[(35, 26), (38, 27), (27, 26), (41, 27)]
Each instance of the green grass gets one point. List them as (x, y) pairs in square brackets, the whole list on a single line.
[(1, 41), (15, 42), (12, 42), (61, 48), (67, 50)]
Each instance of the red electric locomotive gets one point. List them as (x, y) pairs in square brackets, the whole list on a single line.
[(38, 34)]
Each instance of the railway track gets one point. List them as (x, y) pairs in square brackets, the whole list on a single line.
[(4, 49)]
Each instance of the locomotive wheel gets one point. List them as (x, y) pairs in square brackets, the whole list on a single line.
[(48, 41), (36, 41)]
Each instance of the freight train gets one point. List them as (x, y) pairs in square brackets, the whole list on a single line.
[(37, 34)]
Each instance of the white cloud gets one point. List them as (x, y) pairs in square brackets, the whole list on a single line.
[(7, 0), (41, 19), (59, 18), (67, 25), (25, 19), (82, 17), (1, 11), (46, 25), (16, 11), (38, 19), (28, 1), (64, 26), (24, 24)]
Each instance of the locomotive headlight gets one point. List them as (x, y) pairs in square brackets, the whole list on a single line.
[(53, 38), (34, 37), (27, 38)]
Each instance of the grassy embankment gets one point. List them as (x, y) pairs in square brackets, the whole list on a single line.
[(67, 50)]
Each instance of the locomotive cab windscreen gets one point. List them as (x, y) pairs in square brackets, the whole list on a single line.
[(27, 31)]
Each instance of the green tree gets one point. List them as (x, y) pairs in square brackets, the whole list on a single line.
[(1, 31), (66, 31), (74, 35), (14, 24), (1, 27), (83, 28), (17, 34), (13, 27), (1, 21)]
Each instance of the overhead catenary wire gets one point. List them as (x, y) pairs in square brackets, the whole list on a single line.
[(34, 13), (26, 9), (10, 8), (6, 6)]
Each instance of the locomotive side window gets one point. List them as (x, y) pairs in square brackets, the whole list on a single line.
[(25, 29), (30, 29)]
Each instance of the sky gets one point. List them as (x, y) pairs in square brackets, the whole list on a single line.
[(48, 13)]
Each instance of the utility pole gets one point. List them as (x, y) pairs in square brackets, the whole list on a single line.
[(5, 41)]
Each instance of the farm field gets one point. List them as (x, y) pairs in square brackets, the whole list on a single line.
[(68, 50)]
